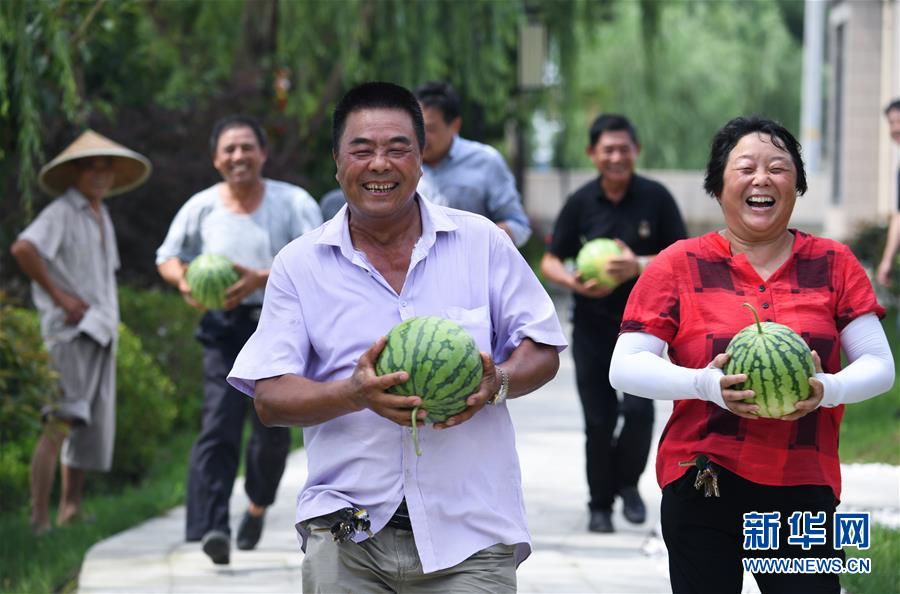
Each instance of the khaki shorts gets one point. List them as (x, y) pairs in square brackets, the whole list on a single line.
[(388, 562), (87, 376)]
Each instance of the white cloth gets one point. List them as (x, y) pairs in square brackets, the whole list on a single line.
[(870, 369), (638, 368), (81, 260), (205, 226)]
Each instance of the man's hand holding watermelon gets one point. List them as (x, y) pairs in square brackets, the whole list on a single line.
[(520, 378), (370, 390), (624, 267), (251, 280)]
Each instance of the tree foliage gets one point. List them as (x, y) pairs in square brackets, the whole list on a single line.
[(680, 70), (34, 58), (106, 56), (155, 74)]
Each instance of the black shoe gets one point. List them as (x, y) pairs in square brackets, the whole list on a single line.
[(601, 521), (634, 510), (249, 531), (217, 546)]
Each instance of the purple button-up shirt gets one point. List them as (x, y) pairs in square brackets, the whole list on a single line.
[(325, 305)]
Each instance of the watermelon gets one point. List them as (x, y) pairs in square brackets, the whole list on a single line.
[(208, 276), (592, 258), (443, 363), (778, 364)]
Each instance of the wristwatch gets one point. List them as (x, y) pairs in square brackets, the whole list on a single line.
[(500, 396)]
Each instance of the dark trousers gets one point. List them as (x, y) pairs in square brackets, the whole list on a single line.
[(704, 535), (216, 452), (613, 461)]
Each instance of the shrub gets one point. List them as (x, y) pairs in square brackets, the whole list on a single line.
[(166, 326), (145, 409), (867, 244), (145, 404), (27, 383)]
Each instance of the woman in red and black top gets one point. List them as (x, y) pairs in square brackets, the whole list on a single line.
[(689, 298)]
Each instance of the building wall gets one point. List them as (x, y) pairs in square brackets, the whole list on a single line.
[(855, 140), (889, 153)]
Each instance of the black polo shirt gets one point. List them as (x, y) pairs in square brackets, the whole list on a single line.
[(646, 219)]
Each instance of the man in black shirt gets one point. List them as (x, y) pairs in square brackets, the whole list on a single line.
[(643, 217)]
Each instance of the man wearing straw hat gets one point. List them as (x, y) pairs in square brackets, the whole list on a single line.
[(69, 252), (248, 219)]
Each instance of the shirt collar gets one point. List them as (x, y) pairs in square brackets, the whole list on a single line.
[(434, 220), (456, 148), (76, 198), (602, 193), (455, 152), (723, 246)]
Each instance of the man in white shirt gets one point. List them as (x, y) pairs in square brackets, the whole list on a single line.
[(452, 520), (248, 219), (69, 252)]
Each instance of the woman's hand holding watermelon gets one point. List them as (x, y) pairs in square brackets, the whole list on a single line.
[(713, 385), (733, 400), (816, 393), (369, 390)]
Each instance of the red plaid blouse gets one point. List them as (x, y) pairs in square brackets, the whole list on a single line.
[(690, 296)]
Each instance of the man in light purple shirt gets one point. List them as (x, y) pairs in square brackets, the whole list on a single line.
[(453, 519)]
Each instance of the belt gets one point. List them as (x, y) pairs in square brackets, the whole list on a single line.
[(247, 312), (400, 519)]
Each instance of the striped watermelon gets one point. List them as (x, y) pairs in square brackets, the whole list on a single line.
[(778, 364), (592, 258), (208, 276), (443, 363)]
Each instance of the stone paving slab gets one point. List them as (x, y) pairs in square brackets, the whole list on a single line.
[(153, 558)]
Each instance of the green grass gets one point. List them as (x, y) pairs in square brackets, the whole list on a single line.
[(870, 431), (51, 563), (884, 553)]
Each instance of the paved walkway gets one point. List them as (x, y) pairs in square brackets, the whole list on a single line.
[(153, 557)]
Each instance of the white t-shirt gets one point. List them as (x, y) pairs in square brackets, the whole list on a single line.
[(205, 226)]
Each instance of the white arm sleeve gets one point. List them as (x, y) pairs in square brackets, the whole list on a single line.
[(870, 369), (638, 368)]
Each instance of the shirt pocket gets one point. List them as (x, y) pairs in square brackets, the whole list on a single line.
[(477, 322)]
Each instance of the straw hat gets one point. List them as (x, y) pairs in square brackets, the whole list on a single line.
[(131, 168)]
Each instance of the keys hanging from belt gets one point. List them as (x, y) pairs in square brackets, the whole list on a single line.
[(707, 475), (351, 520)]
